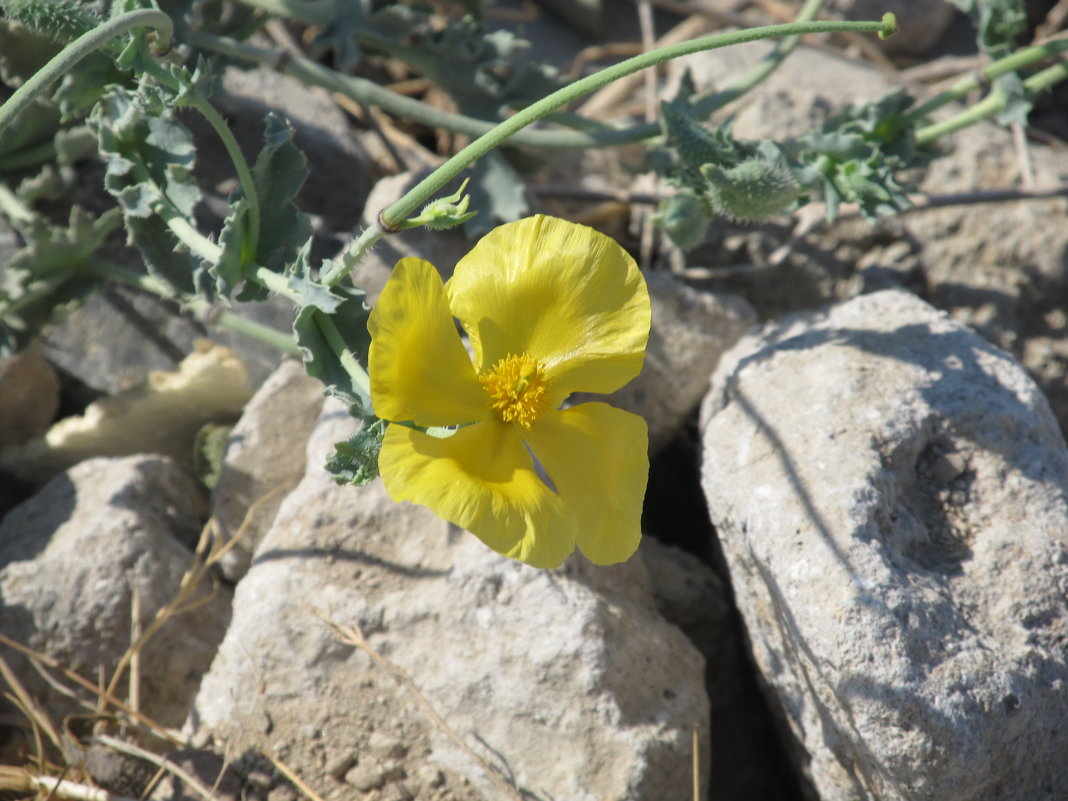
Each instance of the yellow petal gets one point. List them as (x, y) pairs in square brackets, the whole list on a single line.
[(597, 456), (566, 294), (419, 368), (481, 478)]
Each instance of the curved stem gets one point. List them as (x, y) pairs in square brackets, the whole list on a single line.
[(992, 104), (597, 135), (81, 47), (370, 93), (419, 194), (447, 171), (244, 173)]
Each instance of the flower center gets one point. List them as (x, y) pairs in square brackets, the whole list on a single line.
[(516, 386)]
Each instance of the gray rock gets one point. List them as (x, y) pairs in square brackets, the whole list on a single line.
[(890, 493), (568, 681), (71, 558), (113, 341), (263, 460), (689, 332)]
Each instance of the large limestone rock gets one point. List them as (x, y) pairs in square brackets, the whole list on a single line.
[(264, 460), (890, 492), (71, 559), (568, 682)]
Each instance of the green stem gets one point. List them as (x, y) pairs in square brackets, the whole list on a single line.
[(429, 186), (81, 47), (244, 173), (992, 104), (224, 318), (279, 340), (348, 361), (187, 233), (970, 83), (130, 278), (366, 92), (277, 283)]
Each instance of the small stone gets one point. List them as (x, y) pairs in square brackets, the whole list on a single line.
[(397, 792), (394, 771), (283, 792), (947, 467), (385, 747), (340, 765), (429, 776), (260, 779), (365, 776)]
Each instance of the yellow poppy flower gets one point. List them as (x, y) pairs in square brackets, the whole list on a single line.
[(550, 308)]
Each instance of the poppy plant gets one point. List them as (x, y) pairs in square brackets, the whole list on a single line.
[(484, 438)]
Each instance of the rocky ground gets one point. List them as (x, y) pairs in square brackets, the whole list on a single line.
[(854, 580)]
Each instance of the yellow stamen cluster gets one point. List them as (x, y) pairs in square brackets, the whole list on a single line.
[(517, 388)]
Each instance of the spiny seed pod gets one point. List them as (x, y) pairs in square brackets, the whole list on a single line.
[(61, 20), (683, 219), (750, 191)]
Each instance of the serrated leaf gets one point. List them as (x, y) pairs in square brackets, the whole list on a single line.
[(50, 273), (999, 22), (355, 461), (82, 87), (278, 175), (363, 18), (857, 154), (1017, 104)]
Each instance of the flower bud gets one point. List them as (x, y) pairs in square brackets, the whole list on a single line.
[(750, 191)]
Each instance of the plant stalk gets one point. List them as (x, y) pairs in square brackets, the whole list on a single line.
[(992, 104), (990, 72)]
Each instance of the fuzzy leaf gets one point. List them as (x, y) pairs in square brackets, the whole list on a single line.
[(331, 338), (1017, 104), (999, 22), (149, 159), (367, 18), (355, 461), (49, 274)]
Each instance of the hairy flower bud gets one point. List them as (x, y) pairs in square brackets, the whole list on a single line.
[(61, 20), (750, 191)]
